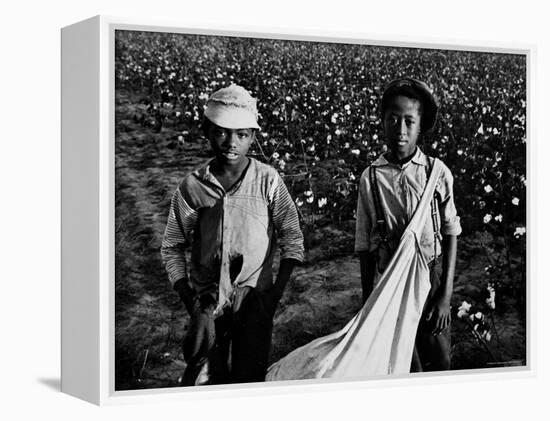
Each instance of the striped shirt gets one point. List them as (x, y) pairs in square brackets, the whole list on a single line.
[(232, 234), (401, 188)]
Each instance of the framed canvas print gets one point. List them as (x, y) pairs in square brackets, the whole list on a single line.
[(250, 210)]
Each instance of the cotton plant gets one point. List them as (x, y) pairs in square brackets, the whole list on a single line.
[(478, 318)]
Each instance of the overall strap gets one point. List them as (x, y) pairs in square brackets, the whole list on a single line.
[(380, 218), (434, 205)]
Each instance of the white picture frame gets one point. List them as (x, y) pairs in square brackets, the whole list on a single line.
[(88, 151)]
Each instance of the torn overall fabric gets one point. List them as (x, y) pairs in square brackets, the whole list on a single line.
[(380, 339), (233, 234)]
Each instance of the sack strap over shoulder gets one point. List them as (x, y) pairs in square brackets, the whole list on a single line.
[(380, 217)]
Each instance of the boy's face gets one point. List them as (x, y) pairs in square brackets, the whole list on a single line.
[(402, 125), (230, 145)]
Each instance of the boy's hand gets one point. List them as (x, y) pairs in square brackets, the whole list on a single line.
[(201, 335), (186, 294), (274, 294), (439, 315), (271, 300)]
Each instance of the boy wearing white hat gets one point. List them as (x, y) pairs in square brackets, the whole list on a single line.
[(232, 212)]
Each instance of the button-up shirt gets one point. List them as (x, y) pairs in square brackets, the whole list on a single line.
[(233, 233), (401, 188)]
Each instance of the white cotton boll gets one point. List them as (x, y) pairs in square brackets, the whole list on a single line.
[(490, 301), (464, 309), (520, 231)]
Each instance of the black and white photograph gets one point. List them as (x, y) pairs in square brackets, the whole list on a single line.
[(292, 210), (281, 210)]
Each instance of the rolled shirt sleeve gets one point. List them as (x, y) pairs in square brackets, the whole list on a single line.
[(450, 221), (177, 235), (286, 221)]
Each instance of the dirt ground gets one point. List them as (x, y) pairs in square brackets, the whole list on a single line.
[(323, 294)]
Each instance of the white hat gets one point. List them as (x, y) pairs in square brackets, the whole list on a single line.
[(232, 108)]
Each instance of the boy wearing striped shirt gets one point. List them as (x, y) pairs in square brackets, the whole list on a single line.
[(232, 212), (389, 192)]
